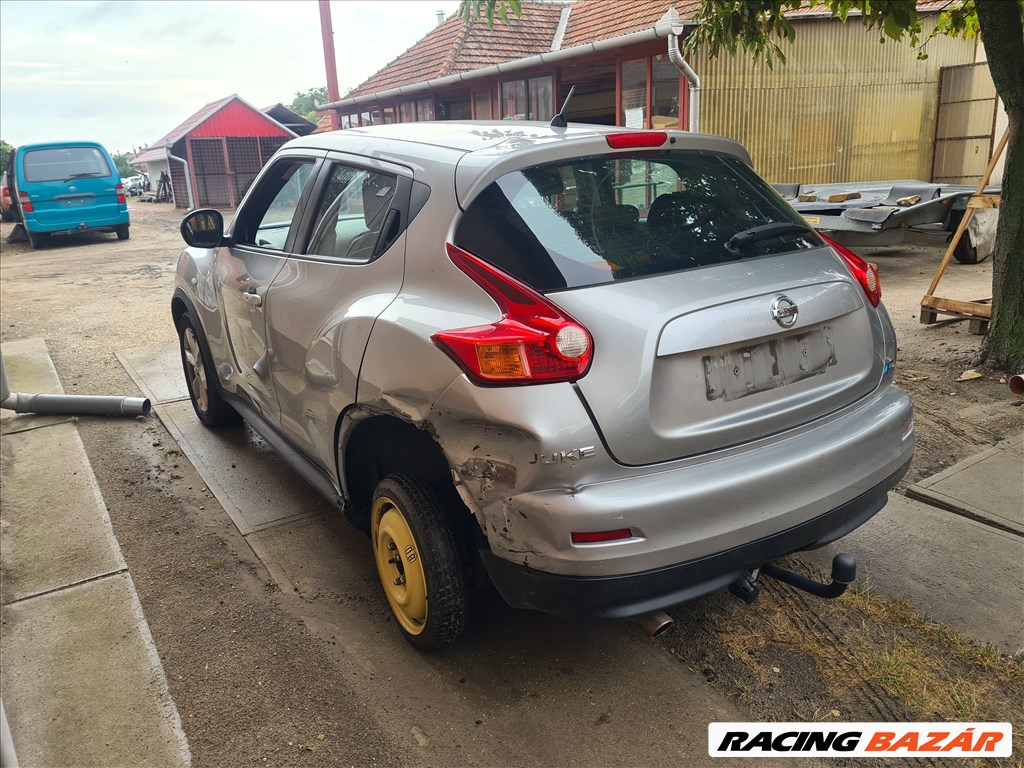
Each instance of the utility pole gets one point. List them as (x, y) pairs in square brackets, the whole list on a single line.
[(327, 31)]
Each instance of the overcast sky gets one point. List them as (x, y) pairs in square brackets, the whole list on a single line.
[(126, 73)]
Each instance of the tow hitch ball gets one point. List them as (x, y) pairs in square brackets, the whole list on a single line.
[(844, 573)]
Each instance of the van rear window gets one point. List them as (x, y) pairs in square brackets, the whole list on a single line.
[(65, 163), (595, 220)]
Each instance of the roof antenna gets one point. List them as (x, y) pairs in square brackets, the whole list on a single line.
[(559, 121)]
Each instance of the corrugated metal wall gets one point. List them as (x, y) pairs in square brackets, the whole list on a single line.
[(843, 108)]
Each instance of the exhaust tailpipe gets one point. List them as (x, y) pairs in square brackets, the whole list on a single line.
[(654, 623), (1017, 384), (85, 405)]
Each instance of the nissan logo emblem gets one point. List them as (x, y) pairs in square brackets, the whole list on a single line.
[(784, 311)]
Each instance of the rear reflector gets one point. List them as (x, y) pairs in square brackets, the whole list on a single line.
[(636, 140), (593, 537), (26, 204), (865, 272), (534, 342)]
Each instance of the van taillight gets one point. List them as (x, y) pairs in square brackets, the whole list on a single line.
[(865, 272), (26, 204), (534, 342), (120, 193)]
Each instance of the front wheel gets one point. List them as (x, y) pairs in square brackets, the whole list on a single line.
[(418, 561), (200, 375)]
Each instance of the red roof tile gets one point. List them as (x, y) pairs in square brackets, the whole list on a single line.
[(592, 20), (453, 47)]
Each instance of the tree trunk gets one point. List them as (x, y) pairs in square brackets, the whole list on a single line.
[(1003, 35)]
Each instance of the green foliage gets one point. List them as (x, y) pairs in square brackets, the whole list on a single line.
[(305, 103), (474, 8), (5, 151), (122, 164)]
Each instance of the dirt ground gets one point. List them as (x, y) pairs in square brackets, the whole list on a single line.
[(261, 677)]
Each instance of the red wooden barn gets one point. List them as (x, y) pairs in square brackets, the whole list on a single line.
[(214, 155)]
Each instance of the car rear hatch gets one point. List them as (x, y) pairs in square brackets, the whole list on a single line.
[(71, 185), (700, 341)]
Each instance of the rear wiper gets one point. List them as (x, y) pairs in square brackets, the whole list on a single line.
[(764, 232), (82, 176)]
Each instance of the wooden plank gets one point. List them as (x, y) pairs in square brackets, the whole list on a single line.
[(983, 201), (954, 306), (968, 214)]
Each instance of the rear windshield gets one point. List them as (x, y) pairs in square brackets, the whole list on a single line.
[(594, 220), (65, 163)]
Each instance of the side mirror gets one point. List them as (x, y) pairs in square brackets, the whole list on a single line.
[(203, 228)]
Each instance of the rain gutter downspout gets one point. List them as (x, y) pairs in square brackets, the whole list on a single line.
[(674, 25), (188, 176), (91, 405)]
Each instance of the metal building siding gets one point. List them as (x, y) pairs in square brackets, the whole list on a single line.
[(843, 108)]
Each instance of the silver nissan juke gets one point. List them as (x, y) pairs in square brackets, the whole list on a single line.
[(609, 370)]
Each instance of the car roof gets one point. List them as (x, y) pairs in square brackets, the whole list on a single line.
[(473, 135), (59, 144)]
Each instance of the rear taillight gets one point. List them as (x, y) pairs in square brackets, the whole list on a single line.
[(636, 140), (120, 193), (534, 342), (26, 204), (865, 272)]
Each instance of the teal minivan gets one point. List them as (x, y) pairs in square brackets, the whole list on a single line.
[(66, 187)]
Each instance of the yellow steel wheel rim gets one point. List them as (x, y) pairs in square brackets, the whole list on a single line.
[(399, 565)]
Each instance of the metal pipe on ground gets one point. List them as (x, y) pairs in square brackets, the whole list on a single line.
[(1017, 384), (654, 623), (83, 405)]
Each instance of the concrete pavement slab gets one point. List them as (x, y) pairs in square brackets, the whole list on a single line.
[(81, 683), (55, 527), (960, 572), (30, 371), (156, 371), (242, 471), (988, 487)]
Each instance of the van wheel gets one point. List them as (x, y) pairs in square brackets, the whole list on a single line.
[(37, 239), (122, 232), (201, 377), (417, 556)]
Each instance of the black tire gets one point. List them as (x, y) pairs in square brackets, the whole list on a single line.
[(200, 375), (122, 232), (37, 239), (413, 539)]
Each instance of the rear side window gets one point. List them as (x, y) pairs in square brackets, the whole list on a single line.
[(65, 163), (590, 221), (355, 206)]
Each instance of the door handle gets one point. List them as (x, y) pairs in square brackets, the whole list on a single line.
[(253, 298)]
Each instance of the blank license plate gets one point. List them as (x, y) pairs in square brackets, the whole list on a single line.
[(744, 371)]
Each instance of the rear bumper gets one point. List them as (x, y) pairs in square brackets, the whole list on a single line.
[(86, 224), (628, 595)]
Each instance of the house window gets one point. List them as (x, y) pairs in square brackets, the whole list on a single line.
[(650, 93), (407, 111), (540, 93), (633, 110), (454, 106), (389, 115), (482, 105), (425, 109), (349, 121), (530, 99), (664, 93), (364, 119)]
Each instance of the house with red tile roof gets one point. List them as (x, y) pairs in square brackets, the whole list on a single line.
[(844, 107), (213, 156)]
